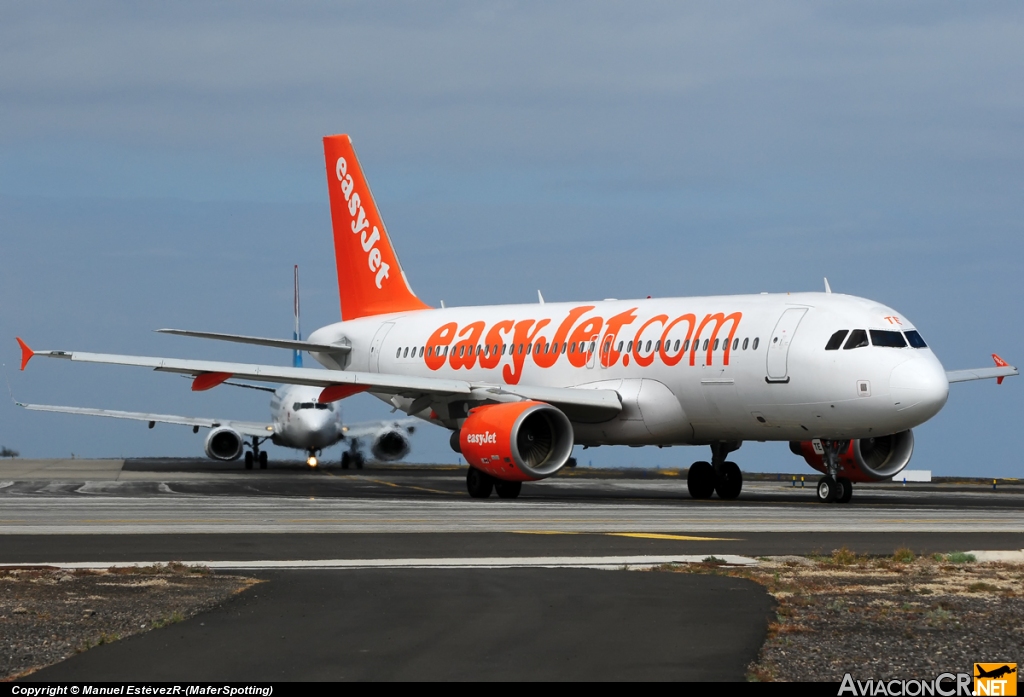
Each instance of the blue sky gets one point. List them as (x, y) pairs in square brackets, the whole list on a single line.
[(162, 166)]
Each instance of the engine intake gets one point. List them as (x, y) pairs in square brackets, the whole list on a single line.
[(866, 459), (390, 444), (223, 444), (517, 441)]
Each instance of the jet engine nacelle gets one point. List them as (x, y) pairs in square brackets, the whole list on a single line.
[(866, 459), (390, 444), (223, 444), (517, 441)]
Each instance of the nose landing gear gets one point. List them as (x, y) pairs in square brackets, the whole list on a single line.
[(832, 488)]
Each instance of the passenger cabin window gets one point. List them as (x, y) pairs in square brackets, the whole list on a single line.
[(915, 339), (398, 354), (858, 338), (881, 337), (756, 342), (746, 343), (837, 340)]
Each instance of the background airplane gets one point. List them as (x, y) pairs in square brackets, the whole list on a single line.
[(843, 379), (297, 420)]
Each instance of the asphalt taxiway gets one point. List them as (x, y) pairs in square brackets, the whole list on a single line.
[(394, 572)]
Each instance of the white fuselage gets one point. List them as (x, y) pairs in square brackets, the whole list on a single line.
[(688, 370), (303, 423)]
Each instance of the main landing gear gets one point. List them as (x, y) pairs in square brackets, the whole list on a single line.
[(832, 488), (255, 455), (352, 457), (480, 485), (718, 476)]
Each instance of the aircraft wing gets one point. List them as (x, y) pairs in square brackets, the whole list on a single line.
[(246, 428), (371, 428), (593, 404), (294, 345), (1000, 371)]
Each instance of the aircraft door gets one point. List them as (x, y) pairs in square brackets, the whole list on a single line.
[(375, 345), (592, 349), (778, 344)]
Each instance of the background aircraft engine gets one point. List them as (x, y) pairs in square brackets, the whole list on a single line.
[(517, 441), (223, 444), (390, 444), (867, 459)]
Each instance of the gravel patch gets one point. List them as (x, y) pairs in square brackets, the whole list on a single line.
[(885, 618), (47, 615)]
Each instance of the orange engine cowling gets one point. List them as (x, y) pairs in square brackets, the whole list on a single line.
[(517, 441), (866, 459)]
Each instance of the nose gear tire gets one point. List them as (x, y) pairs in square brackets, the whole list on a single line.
[(827, 489), (845, 492)]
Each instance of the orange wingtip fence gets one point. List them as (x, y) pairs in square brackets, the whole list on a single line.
[(1000, 363), (26, 352)]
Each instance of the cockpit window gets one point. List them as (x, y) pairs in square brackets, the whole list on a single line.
[(837, 340), (915, 339), (298, 406), (858, 338), (880, 337)]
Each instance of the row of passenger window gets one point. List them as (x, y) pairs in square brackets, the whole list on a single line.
[(564, 348), (879, 337)]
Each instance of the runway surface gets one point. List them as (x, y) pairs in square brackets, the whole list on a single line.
[(512, 624), (425, 609), (152, 510)]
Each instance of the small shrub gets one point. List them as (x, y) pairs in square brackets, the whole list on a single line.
[(903, 555), (844, 557), (960, 558)]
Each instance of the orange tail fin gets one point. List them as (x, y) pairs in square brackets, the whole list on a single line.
[(370, 279)]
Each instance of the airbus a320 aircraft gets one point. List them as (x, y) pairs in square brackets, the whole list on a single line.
[(297, 420), (842, 379)]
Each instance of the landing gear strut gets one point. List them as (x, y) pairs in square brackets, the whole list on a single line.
[(832, 487), (718, 476)]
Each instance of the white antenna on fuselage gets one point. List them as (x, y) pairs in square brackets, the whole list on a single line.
[(828, 288), (540, 297)]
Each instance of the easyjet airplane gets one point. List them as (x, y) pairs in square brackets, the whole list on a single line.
[(842, 379)]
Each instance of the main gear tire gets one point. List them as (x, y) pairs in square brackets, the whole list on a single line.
[(479, 484), (263, 459), (508, 490), (248, 460), (700, 480), (728, 481)]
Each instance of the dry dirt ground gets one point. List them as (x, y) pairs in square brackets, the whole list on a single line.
[(47, 615), (901, 617)]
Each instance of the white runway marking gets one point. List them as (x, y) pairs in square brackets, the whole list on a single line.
[(616, 562), (117, 515)]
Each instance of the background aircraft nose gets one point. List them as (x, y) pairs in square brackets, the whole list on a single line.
[(919, 387)]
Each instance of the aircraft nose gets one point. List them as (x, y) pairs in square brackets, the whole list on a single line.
[(919, 387)]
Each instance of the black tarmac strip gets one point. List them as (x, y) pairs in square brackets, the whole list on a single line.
[(472, 624), (28, 549)]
